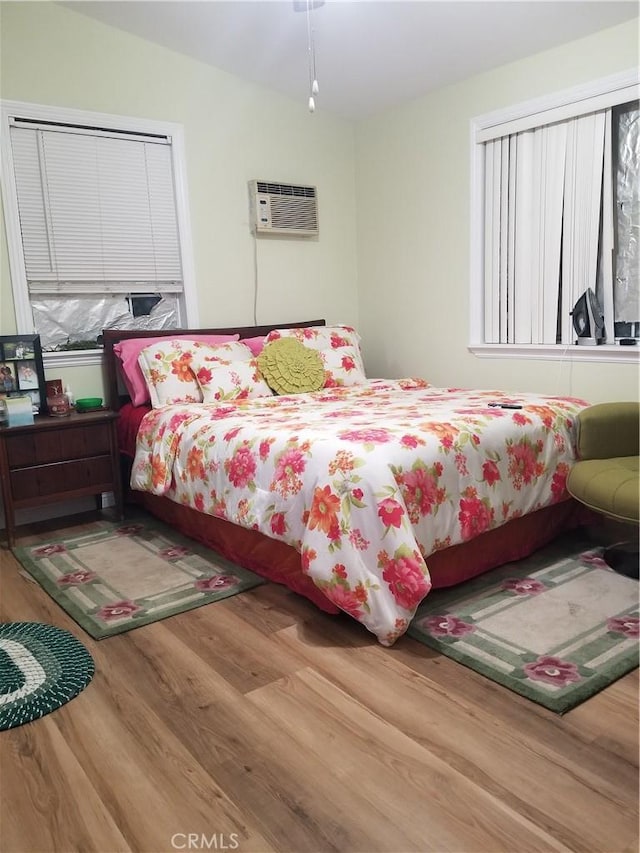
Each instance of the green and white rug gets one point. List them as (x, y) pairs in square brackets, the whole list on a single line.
[(557, 627), (120, 577), (41, 668)]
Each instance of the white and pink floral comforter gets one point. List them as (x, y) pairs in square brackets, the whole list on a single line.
[(363, 481)]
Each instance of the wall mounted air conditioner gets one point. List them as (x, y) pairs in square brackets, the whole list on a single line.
[(283, 209)]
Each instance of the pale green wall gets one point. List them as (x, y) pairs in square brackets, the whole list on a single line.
[(234, 132), (403, 279), (412, 178)]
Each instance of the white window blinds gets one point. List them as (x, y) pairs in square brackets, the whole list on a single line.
[(582, 199), (97, 211), (543, 196)]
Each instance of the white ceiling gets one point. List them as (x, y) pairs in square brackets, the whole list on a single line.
[(371, 54)]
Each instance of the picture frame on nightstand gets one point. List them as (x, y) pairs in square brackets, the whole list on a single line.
[(22, 369)]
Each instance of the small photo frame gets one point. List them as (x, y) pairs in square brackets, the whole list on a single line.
[(53, 387), (22, 368), (8, 381), (27, 375)]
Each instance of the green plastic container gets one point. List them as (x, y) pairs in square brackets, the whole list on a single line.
[(88, 404)]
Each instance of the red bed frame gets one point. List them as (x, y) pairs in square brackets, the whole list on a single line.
[(279, 562)]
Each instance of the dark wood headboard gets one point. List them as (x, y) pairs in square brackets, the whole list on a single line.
[(115, 398)]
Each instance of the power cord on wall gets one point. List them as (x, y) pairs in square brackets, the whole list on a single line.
[(255, 279), (562, 361)]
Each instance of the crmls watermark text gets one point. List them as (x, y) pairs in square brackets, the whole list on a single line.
[(201, 841)]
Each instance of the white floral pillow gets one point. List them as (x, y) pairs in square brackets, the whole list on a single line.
[(220, 378), (166, 367), (339, 348)]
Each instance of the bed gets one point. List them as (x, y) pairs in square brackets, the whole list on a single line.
[(362, 495)]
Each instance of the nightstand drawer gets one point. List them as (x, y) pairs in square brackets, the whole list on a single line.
[(69, 476), (57, 445)]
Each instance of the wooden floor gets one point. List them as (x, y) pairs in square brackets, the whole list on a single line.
[(259, 723)]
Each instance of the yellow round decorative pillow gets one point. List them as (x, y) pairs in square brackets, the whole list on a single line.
[(289, 367)]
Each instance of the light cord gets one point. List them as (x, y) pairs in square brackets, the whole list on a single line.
[(311, 56)]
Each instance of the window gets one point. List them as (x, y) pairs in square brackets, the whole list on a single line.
[(556, 211), (95, 210)]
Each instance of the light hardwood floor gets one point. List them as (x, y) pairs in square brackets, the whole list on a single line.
[(261, 724)]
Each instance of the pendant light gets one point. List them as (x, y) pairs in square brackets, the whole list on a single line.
[(309, 6)]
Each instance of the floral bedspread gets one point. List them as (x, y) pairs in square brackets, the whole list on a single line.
[(364, 481)]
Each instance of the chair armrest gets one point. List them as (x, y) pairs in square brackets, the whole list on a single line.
[(608, 430)]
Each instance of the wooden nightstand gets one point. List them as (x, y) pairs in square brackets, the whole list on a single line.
[(55, 459)]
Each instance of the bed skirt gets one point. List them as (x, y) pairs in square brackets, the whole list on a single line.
[(280, 563)]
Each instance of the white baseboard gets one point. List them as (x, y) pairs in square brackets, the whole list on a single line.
[(57, 510)]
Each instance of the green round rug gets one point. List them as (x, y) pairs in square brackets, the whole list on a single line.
[(41, 668)]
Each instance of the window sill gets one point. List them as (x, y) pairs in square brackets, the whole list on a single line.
[(572, 352), (72, 358)]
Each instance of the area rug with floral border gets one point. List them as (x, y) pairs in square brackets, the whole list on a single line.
[(116, 577), (557, 627)]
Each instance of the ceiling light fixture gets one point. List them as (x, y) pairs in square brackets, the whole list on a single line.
[(309, 6)]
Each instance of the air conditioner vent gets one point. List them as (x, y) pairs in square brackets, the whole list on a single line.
[(286, 189), (283, 209)]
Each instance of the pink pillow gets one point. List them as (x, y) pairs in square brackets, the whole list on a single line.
[(256, 345), (129, 350)]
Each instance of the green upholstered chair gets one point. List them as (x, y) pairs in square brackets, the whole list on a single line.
[(606, 477)]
